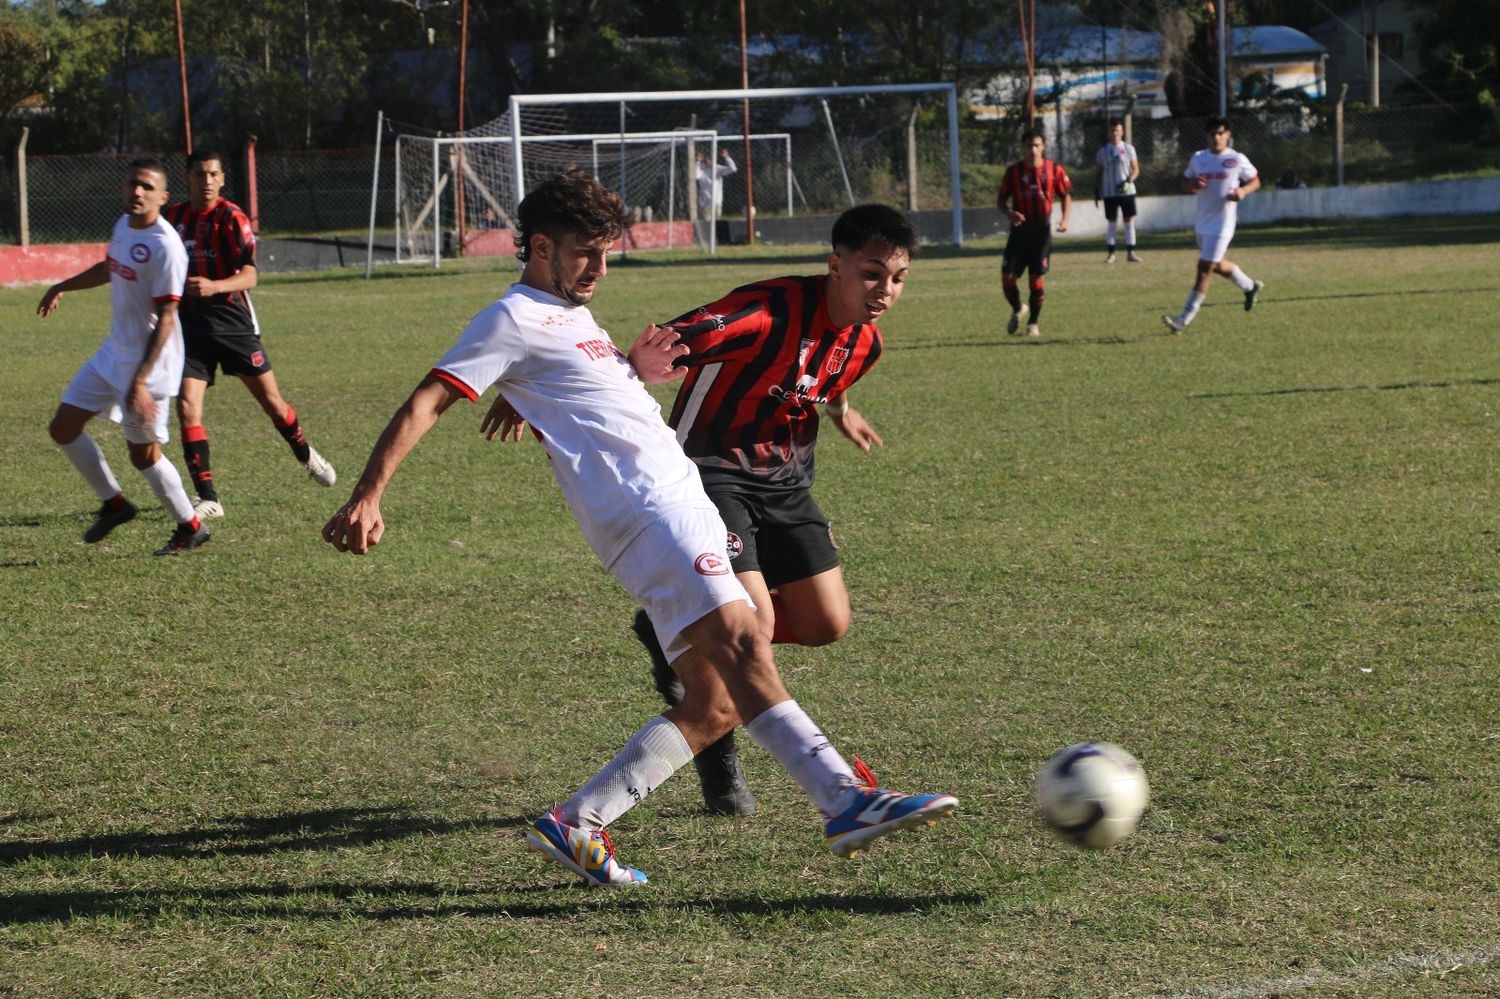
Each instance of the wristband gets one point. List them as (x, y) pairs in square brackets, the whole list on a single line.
[(839, 408)]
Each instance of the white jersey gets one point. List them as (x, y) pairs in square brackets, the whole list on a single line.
[(711, 185), (1224, 172), (1114, 168), (147, 267), (618, 463)]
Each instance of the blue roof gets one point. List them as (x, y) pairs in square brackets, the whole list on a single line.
[(1081, 44)]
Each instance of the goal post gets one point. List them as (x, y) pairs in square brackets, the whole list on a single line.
[(811, 151)]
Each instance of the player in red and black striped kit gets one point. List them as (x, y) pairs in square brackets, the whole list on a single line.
[(759, 362), (1030, 186), (219, 327)]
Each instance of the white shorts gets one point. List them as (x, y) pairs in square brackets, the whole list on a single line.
[(678, 569), (90, 390), (1213, 245)]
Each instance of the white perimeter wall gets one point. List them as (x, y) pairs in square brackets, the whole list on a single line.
[(1472, 196)]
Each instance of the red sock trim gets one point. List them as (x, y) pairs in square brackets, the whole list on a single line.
[(195, 524), (116, 502), (192, 435), (782, 633), (290, 420)]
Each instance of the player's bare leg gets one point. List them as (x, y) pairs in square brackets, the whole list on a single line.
[(263, 387)]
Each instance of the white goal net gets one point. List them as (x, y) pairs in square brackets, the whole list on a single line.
[(697, 168)]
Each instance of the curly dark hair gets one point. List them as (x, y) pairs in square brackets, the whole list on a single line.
[(876, 223), (570, 202)]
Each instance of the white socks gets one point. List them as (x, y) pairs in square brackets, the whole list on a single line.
[(788, 734), (1109, 239), (1241, 280), (83, 451), (1194, 303), (167, 485), (654, 753), (1129, 235)]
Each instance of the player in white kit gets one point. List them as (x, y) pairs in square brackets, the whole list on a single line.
[(1118, 169), (137, 369), (1221, 178), (642, 509)]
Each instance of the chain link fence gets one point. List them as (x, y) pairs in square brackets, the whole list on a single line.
[(77, 198)]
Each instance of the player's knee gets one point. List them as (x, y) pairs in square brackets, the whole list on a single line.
[(1037, 284), (1008, 280), (825, 630), (61, 431), (143, 456)]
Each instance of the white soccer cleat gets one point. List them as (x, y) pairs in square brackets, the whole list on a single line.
[(319, 469), (1032, 330), (1132, 257), (1174, 324), (1016, 318), (208, 509)]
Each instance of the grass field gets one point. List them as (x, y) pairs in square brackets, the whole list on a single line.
[(1262, 556)]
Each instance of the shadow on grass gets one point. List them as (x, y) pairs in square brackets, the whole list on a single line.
[(330, 829), (1317, 389), (424, 900)]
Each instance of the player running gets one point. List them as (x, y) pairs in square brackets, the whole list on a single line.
[(1030, 185), (133, 374), (1118, 170), (220, 330), (1221, 178), (642, 509)]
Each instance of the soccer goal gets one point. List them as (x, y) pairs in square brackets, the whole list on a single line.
[(793, 151)]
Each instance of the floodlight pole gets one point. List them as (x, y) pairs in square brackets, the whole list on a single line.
[(458, 173), (187, 118), (1219, 6)]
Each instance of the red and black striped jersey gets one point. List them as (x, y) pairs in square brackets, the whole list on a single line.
[(1031, 192), (219, 244), (762, 358)]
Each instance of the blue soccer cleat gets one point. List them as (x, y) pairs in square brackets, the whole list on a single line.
[(587, 852), (878, 812)]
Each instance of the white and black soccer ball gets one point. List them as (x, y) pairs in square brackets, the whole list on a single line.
[(1092, 794)]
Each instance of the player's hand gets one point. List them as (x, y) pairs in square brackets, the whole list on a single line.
[(48, 304), (139, 401), (356, 528), (854, 426), (1233, 195), (1016, 218), (654, 352), (1199, 183), (199, 287), (1062, 225), (502, 420)]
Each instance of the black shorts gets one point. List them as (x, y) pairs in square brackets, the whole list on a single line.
[(1029, 247), (233, 353), (1114, 206), (782, 534)]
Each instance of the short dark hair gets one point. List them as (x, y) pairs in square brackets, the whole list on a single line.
[(875, 223), (148, 163), (1113, 122), (1216, 123), (203, 156), (570, 202), (1032, 133)]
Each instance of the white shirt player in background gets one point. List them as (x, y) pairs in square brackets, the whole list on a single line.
[(1221, 178), (1118, 170), (710, 180), (137, 369), (642, 509)]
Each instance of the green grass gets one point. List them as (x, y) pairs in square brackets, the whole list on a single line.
[(1262, 556)]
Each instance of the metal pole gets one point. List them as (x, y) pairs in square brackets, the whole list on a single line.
[(833, 137), (187, 118), (25, 219), (1375, 55), (459, 173), (374, 195), (1338, 137), (745, 115), (1219, 6), (911, 159), (953, 169)]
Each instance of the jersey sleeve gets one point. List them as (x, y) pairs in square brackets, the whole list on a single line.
[(488, 347), (1247, 170), (1190, 172), (241, 240), (1007, 186), (733, 325), (167, 284), (1064, 182)]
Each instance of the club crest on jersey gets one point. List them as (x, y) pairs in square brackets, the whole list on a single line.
[(836, 358), (140, 253), (711, 564), (736, 546)]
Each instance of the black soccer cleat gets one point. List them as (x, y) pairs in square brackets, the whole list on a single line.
[(185, 539), (1252, 295), (107, 520)]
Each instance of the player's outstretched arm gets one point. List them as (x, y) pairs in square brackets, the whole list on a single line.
[(502, 419), (93, 277), (358, 526), (654, 353), (852, 424)]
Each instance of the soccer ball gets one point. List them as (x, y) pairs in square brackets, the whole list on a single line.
[(1092, 794)]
